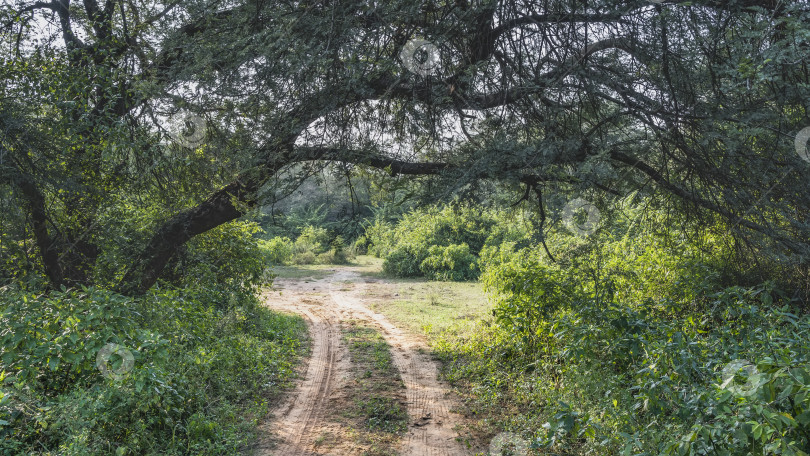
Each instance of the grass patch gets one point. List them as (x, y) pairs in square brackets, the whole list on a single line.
[(364, 264), (442, 311), (368, 265), (433, 308), (308, 271), (376, 392)]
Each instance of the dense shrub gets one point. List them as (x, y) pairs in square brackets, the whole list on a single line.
[(441, 244), (277, 250), (312, 239), (192, 390), (380, 238), (452, 262), (314, 246), (226, 257), (206, 356), (339, 254), (403, 261), (361, 245), (635, 346), (305, 257)]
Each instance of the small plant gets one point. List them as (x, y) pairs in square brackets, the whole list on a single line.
[(339, 251), (361, 245)]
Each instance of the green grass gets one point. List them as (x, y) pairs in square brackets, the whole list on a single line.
[(432, 308), (368, 348), (309, 271), (376, 393), (368, 265)]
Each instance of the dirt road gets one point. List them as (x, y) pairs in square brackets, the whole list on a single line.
[(301, 418)]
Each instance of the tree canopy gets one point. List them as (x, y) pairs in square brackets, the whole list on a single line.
[(698, 104)]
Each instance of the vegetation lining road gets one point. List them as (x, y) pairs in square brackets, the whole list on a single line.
[(626, 178)]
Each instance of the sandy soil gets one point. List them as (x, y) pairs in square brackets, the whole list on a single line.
[(299, 423)]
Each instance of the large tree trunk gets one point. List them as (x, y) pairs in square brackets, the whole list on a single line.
[(218, 209)]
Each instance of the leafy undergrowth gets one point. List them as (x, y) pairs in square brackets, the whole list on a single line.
[(204, 368), (634, 347), (376, 392), (315, 245), (440, 244)]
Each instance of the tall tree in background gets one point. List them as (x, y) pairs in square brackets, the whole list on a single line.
[(698, 104)]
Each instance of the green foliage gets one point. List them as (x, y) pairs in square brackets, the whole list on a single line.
[(403, 261), (380, 238), (226, 257), (50, 341), (339, 254), (295, 221), (452, 262), (634, 347), (201, 358), (529, 291), (441, 244), (315, 245), (361, 245), (277, 250), (312, 239)]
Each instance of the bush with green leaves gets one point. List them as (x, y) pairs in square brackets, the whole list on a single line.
[(315, 245), (451, 262), (380, 238), (339, 254), (277, 250), (312, 239), (636, 346), (441, 244), (226, 257), (198, 368), (206, 358), (360, 245)]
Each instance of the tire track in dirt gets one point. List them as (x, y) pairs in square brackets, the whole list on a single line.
[(431, 430), (301, 418), (324, 303), (318, 385)]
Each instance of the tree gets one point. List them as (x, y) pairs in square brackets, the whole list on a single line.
[(700, 102)]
